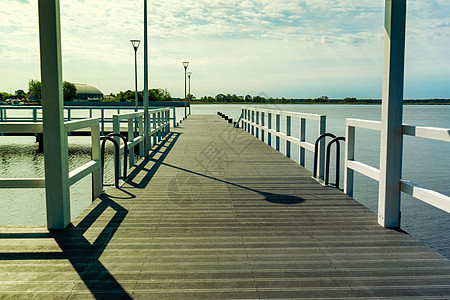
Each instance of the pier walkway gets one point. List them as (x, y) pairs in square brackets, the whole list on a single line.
[(216, 213)]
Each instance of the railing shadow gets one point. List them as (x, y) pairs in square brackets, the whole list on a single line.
[(270, 197), (161, 150), (83, 255)]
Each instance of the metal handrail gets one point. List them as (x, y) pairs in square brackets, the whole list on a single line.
[(116, 161), (125, 152), (316, 150), (338, 158)]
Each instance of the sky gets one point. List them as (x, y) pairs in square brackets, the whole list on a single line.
[(276, 48)]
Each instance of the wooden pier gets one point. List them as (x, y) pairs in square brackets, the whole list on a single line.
[(216, 213)]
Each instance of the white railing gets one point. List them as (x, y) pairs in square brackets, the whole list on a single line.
[(254, 121), (102, 112), (158, 129), (93, 167), (159, 123), (424, 194)]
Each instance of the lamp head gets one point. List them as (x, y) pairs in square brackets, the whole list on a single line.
[(135, 44), (185, 64), (189, 74)]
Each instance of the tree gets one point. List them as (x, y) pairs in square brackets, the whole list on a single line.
[(4, 96), (20, 93), (69, 91), (34, 86)]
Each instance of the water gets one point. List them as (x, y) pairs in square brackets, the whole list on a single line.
[(425, 163)]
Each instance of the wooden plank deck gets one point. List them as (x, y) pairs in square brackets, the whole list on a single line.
[(215, 213)]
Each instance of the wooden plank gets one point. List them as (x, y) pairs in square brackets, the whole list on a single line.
[(216, 213)]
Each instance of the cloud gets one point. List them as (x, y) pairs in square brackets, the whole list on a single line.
[(231, 43)]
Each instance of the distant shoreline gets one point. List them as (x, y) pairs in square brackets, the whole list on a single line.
[(408, 102)]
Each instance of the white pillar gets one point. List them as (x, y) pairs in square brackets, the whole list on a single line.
[(146, 116), (391, 114), (55, 140)]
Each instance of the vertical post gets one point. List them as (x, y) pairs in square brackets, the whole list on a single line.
[(391, 114), (302, 131), (349, 155), (269, 126), (253, 122), (103, 120), (174, 121), (321, 160), (257, 123), (155, 141), (34, 114), (262, 124), (116, 129), (288, 133), (141, 134), (97, 174), (277, 129), (159, 126), (130, 139), (55, 139), (146, 121)]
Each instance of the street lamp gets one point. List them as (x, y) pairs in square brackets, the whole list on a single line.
[(189, 76), (135, 44), (185, 65)]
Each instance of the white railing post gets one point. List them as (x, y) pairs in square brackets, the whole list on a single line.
[(116, 129), (155, 140), (97, 174), (302, 137), (257, 123), (349, 156), (55, 138), (142, 135), (269, 126), (321, 160), (159, 127), (391, 114), (288, 133), (277, 129), (131, 130), (253, 122), (262, 124)]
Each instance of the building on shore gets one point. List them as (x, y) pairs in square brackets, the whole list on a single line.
[(87, 92)]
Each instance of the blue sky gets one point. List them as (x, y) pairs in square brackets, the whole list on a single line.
[(302, 48)]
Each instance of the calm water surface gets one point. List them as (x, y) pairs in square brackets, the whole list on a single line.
[(425, 162)]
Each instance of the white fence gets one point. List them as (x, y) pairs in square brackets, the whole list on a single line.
[(426, 195), (93, 167), (103, 113), (259, 122), (158, 129), (159, 123)]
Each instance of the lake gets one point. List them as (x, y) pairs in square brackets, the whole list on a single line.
[(425, 162)]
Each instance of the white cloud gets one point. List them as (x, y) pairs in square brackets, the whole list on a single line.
[(231, 43)]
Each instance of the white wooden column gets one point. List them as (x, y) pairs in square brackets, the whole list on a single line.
[(146, 120), (55, 139), (391, 114)]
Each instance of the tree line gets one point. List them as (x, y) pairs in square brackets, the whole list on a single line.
[(154, 95), (34, 92)]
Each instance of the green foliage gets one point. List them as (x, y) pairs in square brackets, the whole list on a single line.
[(69, 91), (34, 87), (20, 93), (4, 96), (155, 95)]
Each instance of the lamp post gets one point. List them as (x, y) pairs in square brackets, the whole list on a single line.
[(135, 44), (185, 65), (189, 76)]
